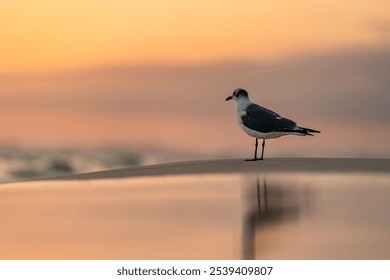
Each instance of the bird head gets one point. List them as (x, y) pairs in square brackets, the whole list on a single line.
[(237, 94)]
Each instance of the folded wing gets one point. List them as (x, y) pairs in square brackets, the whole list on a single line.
[(263, 120)]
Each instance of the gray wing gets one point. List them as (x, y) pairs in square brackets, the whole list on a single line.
[(263, 120)]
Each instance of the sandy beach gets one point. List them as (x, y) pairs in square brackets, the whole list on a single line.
[(294, 208), (239, 166)]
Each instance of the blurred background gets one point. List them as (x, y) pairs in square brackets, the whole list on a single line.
[(89, 85)]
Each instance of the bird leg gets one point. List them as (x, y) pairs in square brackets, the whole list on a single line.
[(255, 158), (257, 143), (262, 148)]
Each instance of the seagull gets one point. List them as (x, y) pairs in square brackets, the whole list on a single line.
[(262, 123)]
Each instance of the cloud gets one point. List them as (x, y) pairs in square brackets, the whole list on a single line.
[(380, 27), (346, 85)]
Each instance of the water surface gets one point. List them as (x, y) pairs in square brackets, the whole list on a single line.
[(275, 216)]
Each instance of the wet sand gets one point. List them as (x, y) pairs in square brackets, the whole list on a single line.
[(274, 209), (240, 166)]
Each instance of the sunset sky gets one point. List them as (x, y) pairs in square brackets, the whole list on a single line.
[(53, 35), (155, 73)]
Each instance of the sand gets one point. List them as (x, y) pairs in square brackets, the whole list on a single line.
[(238, 166)]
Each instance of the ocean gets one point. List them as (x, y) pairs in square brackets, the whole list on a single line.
[(25, 163)]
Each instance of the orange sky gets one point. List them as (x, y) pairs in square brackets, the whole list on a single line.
[(45, 35), (154, 73)]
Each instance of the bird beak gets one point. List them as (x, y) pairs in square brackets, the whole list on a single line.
[(228, 98)]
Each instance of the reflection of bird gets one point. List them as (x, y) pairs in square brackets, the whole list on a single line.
[(259, 122), (275, 205)]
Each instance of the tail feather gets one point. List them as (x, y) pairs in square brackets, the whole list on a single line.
[(301, 131)]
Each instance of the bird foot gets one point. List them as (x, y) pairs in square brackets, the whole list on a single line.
[(253, 159)]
